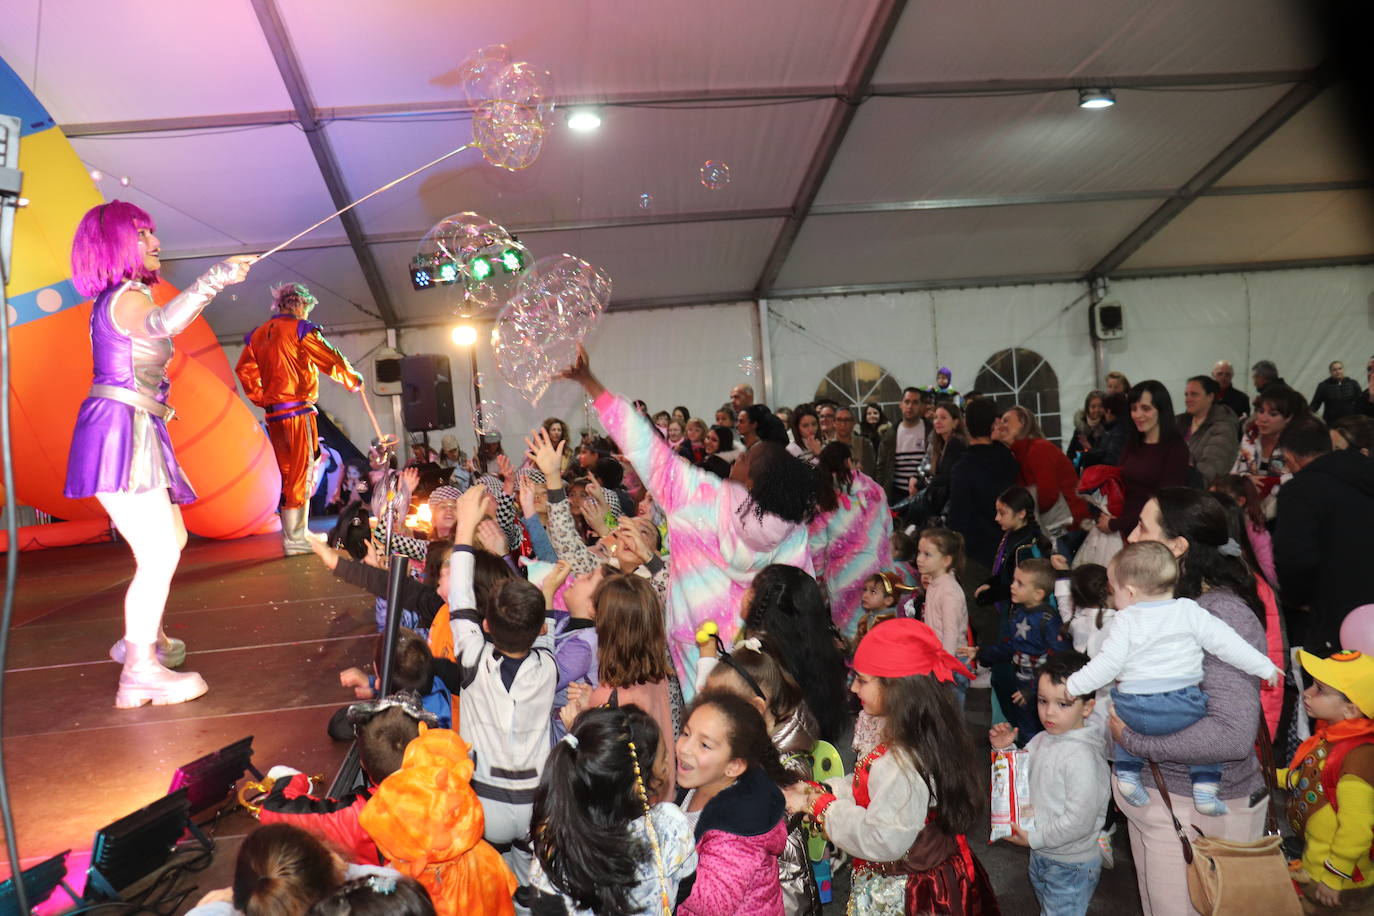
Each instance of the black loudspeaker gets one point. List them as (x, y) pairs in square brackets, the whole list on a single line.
[(426, 392), (1108, 320)]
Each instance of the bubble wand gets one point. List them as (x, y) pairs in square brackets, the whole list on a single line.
[(342, 210)]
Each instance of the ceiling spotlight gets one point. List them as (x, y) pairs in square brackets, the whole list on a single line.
[(1096, 98), (584, 119), (465, 335)]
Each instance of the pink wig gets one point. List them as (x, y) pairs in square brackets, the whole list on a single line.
[(105, 250)]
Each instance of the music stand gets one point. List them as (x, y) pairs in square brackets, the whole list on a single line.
[(138, 844), (210, 780), (39, 883)]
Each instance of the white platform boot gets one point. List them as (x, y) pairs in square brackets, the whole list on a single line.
[(145, 680)]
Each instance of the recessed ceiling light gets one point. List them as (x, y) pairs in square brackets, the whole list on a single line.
[(1096, 98), (584, 119)]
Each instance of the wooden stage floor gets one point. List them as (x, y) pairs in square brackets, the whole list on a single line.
[(268, 634)]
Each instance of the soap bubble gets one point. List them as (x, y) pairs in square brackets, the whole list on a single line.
[(572, 292), (492, 275), (479, 380), (714, 175), (513, 102), (510, 135), (527, 86), (536, 335), (487, 263), (487, 417), (748, 365), (646, 201), (479, 70)]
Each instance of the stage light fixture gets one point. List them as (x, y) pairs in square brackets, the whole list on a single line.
[(430, 270), (479, 268), (1093, 99), (209, 781), (584, 120), (465, 335)]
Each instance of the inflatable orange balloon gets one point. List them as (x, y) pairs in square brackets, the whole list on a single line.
[(219, 442)]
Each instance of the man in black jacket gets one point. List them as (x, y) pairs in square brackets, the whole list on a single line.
[(1324, 537), (976, 480), (1337, 393)]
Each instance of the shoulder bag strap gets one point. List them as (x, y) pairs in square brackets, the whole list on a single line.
[(1271, 777), (1168, 803)]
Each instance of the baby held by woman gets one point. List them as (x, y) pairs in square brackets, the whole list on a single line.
[(1154, 652)]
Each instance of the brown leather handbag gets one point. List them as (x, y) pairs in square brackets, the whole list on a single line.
[(1228, 878)]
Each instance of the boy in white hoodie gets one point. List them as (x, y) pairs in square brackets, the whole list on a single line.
[(1069, 789)]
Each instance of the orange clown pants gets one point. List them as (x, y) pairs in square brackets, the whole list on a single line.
[(296, 443)]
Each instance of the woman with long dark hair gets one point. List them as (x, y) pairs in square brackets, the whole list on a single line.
[(1155, 456), (851, 535), (1193, 525), (786, 603), (722, 531)]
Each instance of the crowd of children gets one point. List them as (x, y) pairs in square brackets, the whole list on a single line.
[(541, 756)]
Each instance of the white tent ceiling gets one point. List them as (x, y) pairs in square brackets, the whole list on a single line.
[(873, 144)]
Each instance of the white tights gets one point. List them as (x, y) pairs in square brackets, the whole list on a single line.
[(152, 525)]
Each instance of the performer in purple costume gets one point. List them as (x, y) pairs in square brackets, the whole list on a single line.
[(121, 453)]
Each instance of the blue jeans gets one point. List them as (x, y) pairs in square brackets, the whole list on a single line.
[(960, 690), (1161, 714), (1063, 888)]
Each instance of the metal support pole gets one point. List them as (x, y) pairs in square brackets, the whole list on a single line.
[(393, 621)]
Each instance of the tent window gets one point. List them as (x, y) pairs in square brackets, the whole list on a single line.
[(859, 383), (1024, 377)]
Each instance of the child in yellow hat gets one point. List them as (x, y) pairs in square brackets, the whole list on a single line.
[(1331, 784)]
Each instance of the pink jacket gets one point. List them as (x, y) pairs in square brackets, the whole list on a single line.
[(737, 874), (717, 545), (740, 834)]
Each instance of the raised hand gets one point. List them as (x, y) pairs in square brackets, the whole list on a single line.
[(546, 457)]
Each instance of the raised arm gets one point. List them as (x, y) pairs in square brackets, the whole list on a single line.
[(669, 477), (137, 315)]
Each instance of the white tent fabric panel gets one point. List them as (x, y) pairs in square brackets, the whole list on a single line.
[(210, 191), (1316, 145), (580, 177), (102, 61), (993, 39), (332, 274), (1301, 319), (1268, 227), (1179, 327), (923, 245), (810, 337), (920, 149), (595, 48), (1306, 319)]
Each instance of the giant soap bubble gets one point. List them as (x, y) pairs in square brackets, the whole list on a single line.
[(536, 336), (512, 106), (478, 257)]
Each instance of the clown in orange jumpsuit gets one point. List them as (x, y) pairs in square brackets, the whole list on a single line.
[(280, 372)]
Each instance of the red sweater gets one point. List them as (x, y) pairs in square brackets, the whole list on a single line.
[(1145, 470), (1051, 473)]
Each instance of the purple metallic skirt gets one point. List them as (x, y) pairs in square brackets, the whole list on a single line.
[(102, 454)]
